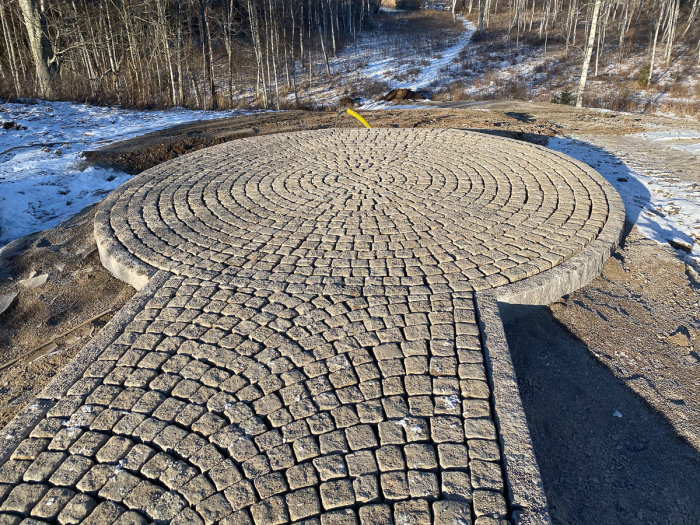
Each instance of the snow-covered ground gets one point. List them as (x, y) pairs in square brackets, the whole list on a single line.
[(677, 139), (663, 209), (432, 71), (42, 178)]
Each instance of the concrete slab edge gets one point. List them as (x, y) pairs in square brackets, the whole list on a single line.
[(23, 423), (526, 496), (116, 259)]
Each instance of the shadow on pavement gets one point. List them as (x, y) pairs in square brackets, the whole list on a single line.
[(606, 456)]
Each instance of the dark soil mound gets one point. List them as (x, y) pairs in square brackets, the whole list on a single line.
[(402, 94)]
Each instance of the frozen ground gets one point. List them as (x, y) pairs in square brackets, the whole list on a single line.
[(677, 139), (42, 178), (663, 208)]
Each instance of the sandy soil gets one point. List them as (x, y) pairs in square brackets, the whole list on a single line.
[(47, 325), (636, 326)]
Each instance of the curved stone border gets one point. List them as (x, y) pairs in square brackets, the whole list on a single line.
[(526, 495), (113, 256)]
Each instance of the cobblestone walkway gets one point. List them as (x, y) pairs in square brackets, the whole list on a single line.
[(312, 353)]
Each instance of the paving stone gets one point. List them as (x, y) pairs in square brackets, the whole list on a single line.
[(423, 484), (456, 485), (452, 512), (366, 488), (336, 494), (453, 456), (29, 449), (339, 517), (119, 487), (43, 466), (303, 503), (241, 495), (95, 478), (190, 517), (485, 475), (483, 449), (130, 518), (70, 471), (390, 458), (412, 512), (376, 515), (52, 503), (420, 456), (394, 485), (214, 508), (77, 509), (272, 511), (488, 503), (330, 467), (487, 520), (105, 512), (303, 475)]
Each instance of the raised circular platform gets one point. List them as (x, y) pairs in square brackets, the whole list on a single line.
[(318, 210), (317, 339)]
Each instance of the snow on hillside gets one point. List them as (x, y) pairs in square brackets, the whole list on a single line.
[(405, 49), (432, 71), (42, 178)]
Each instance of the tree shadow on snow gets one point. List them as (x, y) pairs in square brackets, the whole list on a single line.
[(635, 194)]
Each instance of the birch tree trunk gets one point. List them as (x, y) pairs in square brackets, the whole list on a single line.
[(14, 71), (653, 46), (39, 46), (587, 55)]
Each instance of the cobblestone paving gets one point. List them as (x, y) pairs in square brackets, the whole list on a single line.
[(314, 355)]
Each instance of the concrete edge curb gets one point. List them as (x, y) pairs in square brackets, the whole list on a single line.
[(526, 496), (23, 423), (115, 258)]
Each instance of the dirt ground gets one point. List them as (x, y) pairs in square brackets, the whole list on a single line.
[(610, 381), (532, 122), (45, 326), (627, 344)]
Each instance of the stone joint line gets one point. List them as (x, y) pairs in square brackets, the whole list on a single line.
[(314, 354)]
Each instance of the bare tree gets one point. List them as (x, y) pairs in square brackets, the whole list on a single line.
[(34, 22), (587, 54)]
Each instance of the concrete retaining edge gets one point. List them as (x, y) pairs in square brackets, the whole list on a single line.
[(23, 423), (116, 259), (526, 497)]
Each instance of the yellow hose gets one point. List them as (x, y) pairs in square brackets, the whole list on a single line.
[(358, 117)]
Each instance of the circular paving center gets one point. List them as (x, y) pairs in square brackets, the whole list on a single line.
[(323, 210)]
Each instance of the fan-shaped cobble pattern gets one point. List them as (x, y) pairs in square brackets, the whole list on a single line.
[(314, 355)]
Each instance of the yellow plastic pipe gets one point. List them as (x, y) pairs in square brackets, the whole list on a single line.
[(358, 117)]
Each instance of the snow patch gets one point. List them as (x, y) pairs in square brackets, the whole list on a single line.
[(430, 74), (676, 138), (663, 207), (42, 178)]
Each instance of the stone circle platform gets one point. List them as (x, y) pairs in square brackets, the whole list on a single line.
[(307, 345)]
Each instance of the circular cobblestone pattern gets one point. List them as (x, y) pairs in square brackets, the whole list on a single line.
[(308, 212), (311, 353)]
